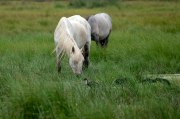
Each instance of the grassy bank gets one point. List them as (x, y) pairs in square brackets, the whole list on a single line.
[(145, 40)]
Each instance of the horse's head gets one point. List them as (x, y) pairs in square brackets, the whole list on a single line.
[(76, 60)]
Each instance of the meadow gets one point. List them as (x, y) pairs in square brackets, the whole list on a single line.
[(145, 39)]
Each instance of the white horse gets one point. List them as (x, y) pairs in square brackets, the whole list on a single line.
[(73, 36)]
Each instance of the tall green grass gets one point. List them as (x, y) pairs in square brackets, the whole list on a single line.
[(91, 3), (144, 40)]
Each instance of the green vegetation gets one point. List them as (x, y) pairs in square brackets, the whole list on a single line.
[(145, 40), (91, 3)]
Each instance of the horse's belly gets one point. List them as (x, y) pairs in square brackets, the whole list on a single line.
[(104, 29), (103, 35)]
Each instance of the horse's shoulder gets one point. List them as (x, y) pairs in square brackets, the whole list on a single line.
[(78, 21), (76, 18)]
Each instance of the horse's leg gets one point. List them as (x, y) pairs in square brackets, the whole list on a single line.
[(86, 55), (107, 39), (97, 43), (59, 63), (97, 40), (102, 42)]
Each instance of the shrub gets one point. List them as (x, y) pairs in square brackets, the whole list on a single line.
[(91, 3), (59, 6)]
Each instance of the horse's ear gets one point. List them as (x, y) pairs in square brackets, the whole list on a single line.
[(73, 50)]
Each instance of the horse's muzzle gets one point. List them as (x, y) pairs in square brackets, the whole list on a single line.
[(77, 74)]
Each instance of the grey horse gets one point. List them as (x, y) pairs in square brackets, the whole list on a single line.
[(101, 25)]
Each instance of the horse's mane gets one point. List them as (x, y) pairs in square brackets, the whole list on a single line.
[(65, 41)]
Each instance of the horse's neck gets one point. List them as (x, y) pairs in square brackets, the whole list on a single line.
[(67, 41), (65, 35), (69, 27)]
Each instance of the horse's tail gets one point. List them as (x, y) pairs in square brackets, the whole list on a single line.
[(53, 51), (59, 51)]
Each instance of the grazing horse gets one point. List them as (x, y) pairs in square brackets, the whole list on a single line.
[(73, 37), (101, 26)]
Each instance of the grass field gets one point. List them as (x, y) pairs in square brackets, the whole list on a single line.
[(145, 39)]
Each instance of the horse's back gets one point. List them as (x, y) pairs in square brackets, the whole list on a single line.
[(107, 17), (104, 24)]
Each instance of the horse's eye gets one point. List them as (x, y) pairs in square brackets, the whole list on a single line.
[(75, 62)]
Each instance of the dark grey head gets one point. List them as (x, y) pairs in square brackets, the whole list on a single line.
[(85, 80)]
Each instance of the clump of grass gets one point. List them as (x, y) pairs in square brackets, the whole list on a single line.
[(60, 6), (32, 101), (43, 22), (77, 3)]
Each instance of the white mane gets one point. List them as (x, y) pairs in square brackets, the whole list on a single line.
[(64, 37)]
